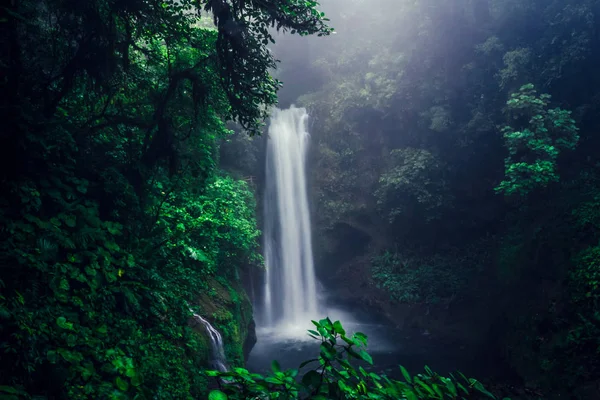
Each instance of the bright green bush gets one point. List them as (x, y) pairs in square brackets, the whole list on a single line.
[(333, 376), (536, 142)]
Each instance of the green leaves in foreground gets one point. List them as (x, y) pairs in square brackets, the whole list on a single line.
[(334, 377), (217, 395)]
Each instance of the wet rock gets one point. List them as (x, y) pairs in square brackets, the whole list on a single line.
[(250, 340)]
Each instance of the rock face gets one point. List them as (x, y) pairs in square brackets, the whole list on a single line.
[(227, 307), (250, 339), (503, 325)]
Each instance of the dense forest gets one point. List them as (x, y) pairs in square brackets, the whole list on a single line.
[(454, 175), (455, 172), (115, 218)]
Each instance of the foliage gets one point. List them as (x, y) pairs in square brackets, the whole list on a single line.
[(582, 341), (586, 278), (432, 79), (335, 376), (239, 50), (245, 59), (393, 275), (515, 66), (216, 228), (114, 216), (413, 184), (339, 184), (239, 154), (534, 147), (106, 319), (409, 277), (511, 252)]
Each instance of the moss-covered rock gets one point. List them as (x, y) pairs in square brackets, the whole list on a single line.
[(227, 307)]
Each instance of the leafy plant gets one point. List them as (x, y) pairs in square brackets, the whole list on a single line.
[(410, 278), (413, 181), (335, 377), (115, 216), (534, 146)]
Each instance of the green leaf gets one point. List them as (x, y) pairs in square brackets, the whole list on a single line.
[(405, 374), (70, 220), (62, 323), (425, 386), (88, 370), (342, 385), (311, 378), (437, 390), (479, 387), (82, 189), (374, 376), (273, 380), (461, 387), (361, 337), (451, 387), (136, 381), (410, 395), (275, 366), (305, 363), (52, 356), (366, 356), (121, 384), (326, 323), (217, 395), (9, 389), (337, 327), (348, 340)]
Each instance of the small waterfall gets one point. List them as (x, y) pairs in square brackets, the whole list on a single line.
[(290, 286), (216, 342)]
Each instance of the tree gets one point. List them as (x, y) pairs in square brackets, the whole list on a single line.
[(534, 147), (115, 219)]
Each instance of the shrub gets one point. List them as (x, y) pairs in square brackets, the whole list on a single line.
[(334, 377)]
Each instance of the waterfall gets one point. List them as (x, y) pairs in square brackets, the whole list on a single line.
[(216, 342), (290, 296)]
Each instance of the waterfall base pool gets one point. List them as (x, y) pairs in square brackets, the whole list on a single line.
[(389, 348)]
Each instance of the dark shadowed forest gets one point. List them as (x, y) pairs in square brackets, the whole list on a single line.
[(182, 180)]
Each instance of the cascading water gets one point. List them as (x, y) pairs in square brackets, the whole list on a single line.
[(216, 342), (290, 296), (290, 299)]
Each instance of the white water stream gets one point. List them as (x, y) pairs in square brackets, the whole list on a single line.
[(290, 295), (216, 341)]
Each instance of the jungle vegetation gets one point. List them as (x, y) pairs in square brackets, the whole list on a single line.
[(115, 218), (455, 172)]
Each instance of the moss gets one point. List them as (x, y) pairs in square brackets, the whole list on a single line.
[(202, 347), (227, 306), (200, 356)]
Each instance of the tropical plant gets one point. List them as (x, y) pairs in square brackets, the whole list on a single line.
[(114, 215), (534, 146), (335, 377)]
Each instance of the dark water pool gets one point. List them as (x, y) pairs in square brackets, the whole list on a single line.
[(388, 346)]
